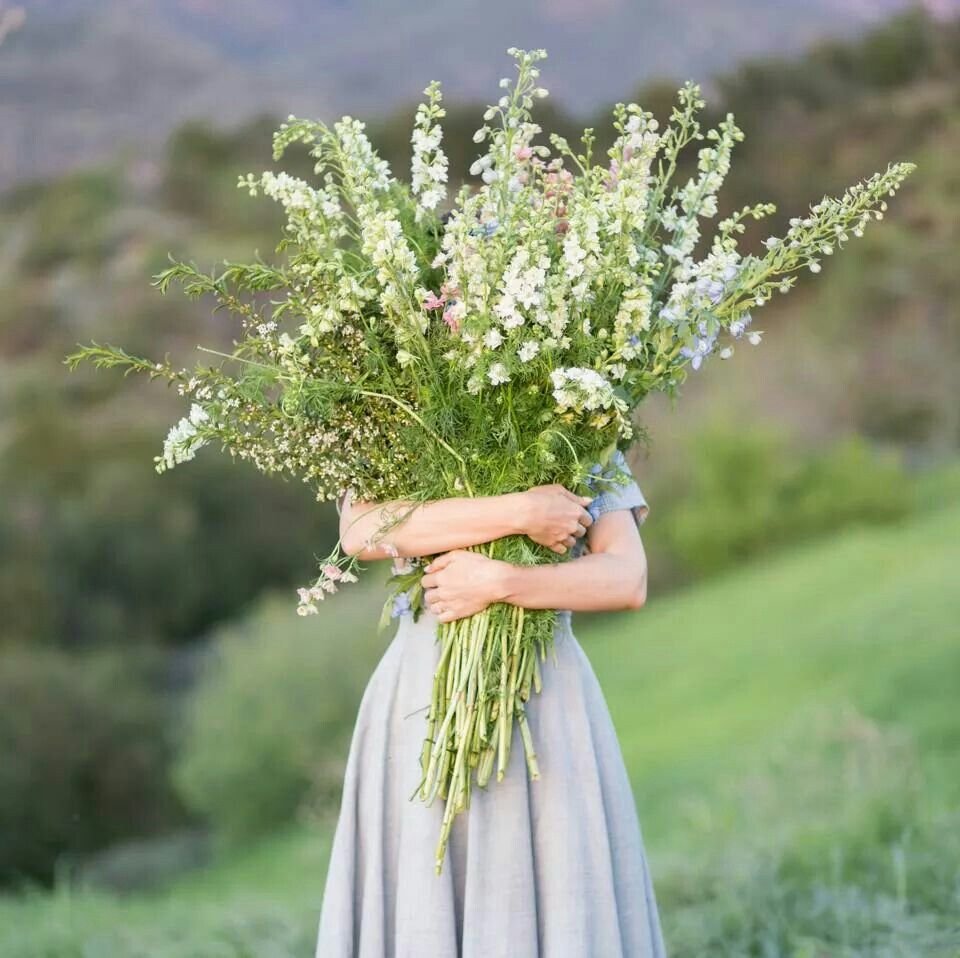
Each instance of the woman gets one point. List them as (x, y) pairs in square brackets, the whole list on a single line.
[(549, 869)]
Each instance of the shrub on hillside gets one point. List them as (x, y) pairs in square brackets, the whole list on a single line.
[(745, 493), (84, 758), (268, 725), (95, 547)]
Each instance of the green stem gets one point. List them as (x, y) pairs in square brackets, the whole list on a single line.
[(402, 405)]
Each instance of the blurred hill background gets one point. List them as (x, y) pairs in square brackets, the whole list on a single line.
[(80, 77), (171, 736)]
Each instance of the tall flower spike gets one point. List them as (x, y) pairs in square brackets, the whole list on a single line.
[(428, 169)]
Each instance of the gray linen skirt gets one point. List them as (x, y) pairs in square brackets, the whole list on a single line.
[(549, 869)]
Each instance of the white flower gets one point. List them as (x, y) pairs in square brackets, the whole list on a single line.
[(359, 161), (586, 385), (383, 241), (428, 168), (497, 374), (574, 255), (183, 440), (492, 338), (528, 350)]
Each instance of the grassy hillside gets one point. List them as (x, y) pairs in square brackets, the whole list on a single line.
[(870, 619), (791, 731)]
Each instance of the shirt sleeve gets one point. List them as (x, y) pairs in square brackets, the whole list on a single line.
[(611, 495)]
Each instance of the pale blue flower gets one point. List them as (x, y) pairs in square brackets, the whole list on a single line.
[(401, 605), (711, 288), (485, 229), (700, 346), (597, 472), (739, 326)]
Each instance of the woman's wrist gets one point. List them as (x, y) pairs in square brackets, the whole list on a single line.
[(516, 509), (506, 581)]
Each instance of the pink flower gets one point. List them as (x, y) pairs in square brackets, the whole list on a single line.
[(611, 179), (523, 152), (332, 572), (451, 320), (433, 301), (558, 183)]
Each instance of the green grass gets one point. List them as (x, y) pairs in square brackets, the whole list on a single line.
[(792, 734), (871, 618)]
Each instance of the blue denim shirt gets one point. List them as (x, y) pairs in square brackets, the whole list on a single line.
[(610, 496)]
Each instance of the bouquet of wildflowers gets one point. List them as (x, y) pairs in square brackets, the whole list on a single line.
[(406, 347)]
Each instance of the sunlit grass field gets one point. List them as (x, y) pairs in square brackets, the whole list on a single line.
[(792, 731)]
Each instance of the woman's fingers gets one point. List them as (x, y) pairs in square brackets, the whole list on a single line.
[(579, 500), (443, 560), (449, 611)]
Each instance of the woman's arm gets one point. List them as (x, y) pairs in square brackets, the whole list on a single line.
[(550, 515), (612, 576)]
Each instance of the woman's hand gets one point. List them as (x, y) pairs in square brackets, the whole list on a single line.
[(553, 516), (462, 583)]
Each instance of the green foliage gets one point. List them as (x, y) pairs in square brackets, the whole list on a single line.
[(107, 551), (84, 757), (200, 174), (71, 220), (832, 852), (267, 727), (745, 493)]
